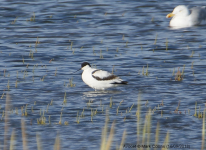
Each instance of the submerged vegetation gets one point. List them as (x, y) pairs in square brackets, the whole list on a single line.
[(146, 133)]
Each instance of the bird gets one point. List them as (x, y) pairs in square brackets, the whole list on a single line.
[(99, 79), (183, 17)]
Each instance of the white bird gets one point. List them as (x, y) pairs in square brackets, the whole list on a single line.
[(99, 79), (183, 17)]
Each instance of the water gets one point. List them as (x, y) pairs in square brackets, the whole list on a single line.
[(49, 41)]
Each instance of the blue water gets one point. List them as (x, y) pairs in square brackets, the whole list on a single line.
[(45, 42)]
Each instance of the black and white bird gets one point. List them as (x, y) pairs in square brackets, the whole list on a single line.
[(99, 79), (184, 17)]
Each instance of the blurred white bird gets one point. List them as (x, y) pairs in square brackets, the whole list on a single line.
[(99, 79), (183, 17)]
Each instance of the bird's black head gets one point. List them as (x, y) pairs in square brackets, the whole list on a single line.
[(84, 64)]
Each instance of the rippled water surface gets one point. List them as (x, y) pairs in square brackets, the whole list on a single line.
[(42, 43)]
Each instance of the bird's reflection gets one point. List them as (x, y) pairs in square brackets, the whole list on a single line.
[(92, 94)]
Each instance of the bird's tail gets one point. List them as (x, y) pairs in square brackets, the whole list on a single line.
[(203, 13), (122, 82)]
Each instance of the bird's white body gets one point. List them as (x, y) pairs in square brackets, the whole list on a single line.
[(183, 17), (99, 79)]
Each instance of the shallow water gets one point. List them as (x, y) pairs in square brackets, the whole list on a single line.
[(49, 41)]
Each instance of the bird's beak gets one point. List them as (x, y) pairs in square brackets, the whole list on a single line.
[(77, 70), (170, 15)]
